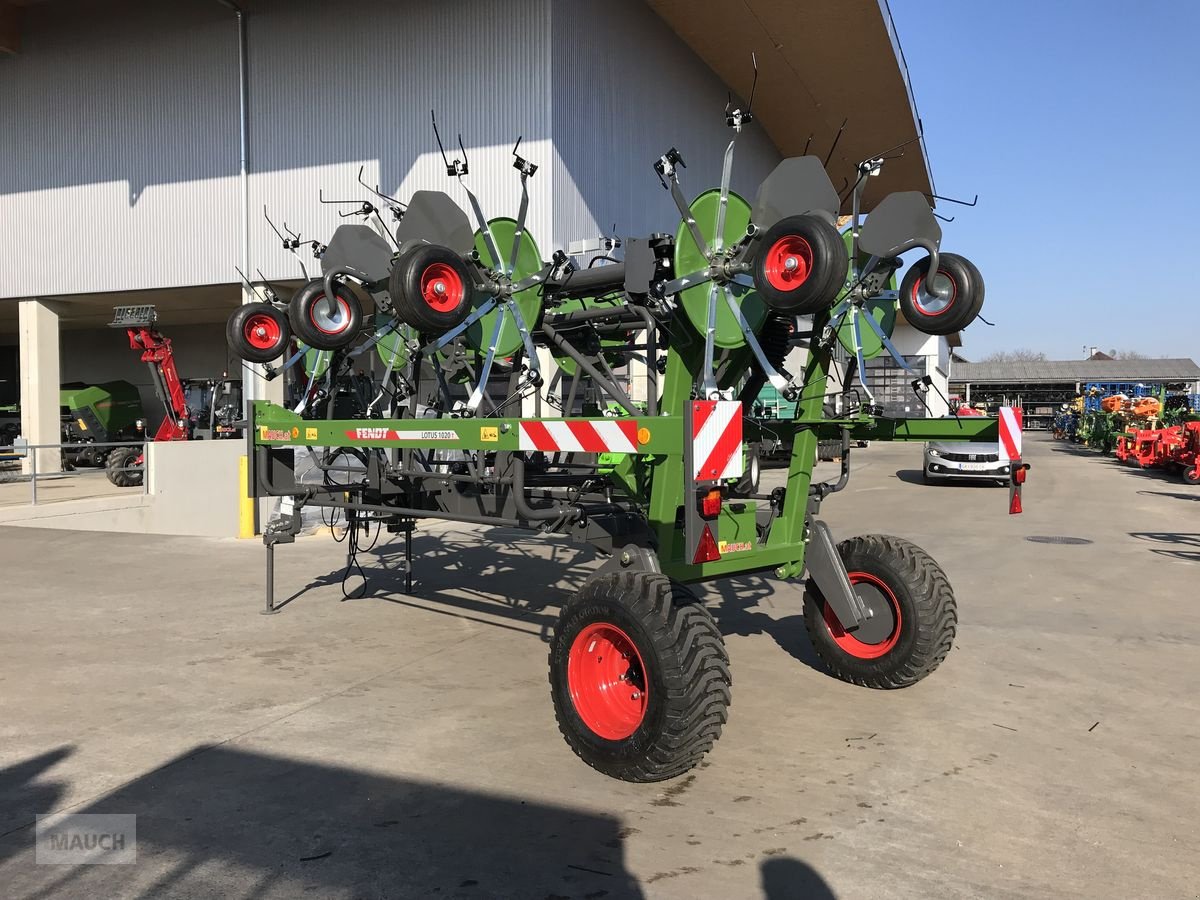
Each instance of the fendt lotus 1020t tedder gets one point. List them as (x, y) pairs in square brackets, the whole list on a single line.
[(639, 675)]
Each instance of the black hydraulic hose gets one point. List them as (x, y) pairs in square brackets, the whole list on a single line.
[(609, 387), (537, 513)]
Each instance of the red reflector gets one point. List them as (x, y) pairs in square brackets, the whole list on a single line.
[(706, 550), (1014, 503), (1019, 474), (710, 506)]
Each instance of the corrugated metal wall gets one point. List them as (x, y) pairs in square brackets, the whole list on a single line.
[(625, 91), (119, 127), (120, 144)]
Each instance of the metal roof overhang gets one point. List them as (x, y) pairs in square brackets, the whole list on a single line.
[(819, 62)]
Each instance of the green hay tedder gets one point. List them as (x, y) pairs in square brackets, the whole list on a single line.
[(610, 405)]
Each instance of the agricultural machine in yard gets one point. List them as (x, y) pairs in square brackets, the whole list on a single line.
[(465, 317), (198, 408), (1137, 427)]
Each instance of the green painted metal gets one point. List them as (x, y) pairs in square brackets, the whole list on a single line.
[(316, 362), (688, 258), (393, 346), (528, 301), (881, 309), (113, 406), (566, 363)]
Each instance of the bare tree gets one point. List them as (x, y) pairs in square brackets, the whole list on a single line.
[(1019, 355), (1127, 354)]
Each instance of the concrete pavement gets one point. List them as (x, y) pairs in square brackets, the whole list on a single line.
[(406, 747)]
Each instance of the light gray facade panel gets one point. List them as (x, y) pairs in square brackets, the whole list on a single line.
[(626, 90), (121, 149), (331, 91), (118, 146)]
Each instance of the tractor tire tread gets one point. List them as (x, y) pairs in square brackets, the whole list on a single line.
[(933, 604), (696, 675)]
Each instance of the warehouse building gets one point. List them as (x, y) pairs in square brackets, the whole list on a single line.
[(1042, 387), (143, 141)]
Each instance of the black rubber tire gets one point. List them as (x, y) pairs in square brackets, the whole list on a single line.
[(238, 327), (117, 464), (827, 271), (304, 309), (687, 675), (966, 302), (404, 286), (928, 614), (1191, 475)]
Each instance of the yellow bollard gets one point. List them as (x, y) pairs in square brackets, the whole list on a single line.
[(245, 502)]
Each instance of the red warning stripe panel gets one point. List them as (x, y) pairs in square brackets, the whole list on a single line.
[(538, 436), (717, 440), (579, 436), (1010, 432), (589, 439)]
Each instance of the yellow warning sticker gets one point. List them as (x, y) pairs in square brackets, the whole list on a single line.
[(310, 434), (489, 435)]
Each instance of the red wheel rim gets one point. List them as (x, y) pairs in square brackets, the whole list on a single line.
[(934, 304), (441, 287), (262, 332), (847, 641), (318, 314), (607, 681), (788, 263)]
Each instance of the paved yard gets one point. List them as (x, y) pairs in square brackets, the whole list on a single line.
[(406, 747)]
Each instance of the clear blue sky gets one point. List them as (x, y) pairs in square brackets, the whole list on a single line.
[(1078, 124)]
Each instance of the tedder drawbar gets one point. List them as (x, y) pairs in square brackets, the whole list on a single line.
[(467, 318)]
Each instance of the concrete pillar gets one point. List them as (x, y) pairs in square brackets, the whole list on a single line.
[(38, 327)]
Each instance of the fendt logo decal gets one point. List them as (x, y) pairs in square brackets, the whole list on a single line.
[(390, 434)]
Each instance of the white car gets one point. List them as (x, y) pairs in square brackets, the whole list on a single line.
[(953, 461)]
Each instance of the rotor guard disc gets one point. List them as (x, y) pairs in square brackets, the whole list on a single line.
[(688, 258), (528, 301)]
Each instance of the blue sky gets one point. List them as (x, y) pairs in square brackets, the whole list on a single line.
[(1078, 124)]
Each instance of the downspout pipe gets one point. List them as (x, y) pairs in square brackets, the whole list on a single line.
[(248, 382)]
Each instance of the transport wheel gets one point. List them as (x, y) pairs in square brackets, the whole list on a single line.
[(313, 322), (119, 465), (1192, 475), (257, 332), (431, 288), (914, 622), (639, 677), (955, 302), (800, 265)]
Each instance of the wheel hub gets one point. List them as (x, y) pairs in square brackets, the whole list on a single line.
[(607, 681), (877, 635), (939, 300)]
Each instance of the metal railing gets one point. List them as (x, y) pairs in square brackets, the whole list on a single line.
[(22, 450)]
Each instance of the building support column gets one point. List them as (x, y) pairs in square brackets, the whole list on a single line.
[(40, 380)]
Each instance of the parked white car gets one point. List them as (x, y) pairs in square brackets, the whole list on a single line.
[(951, 461)]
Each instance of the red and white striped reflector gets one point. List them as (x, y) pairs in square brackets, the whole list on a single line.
[(579, 436), (1010, 433), (717, 440)]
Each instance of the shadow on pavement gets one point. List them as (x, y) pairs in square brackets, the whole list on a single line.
[(25, 791), (486, 575), (1185, 545), (221, 821), (787, 878), (1175, 494), (917, 476)]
